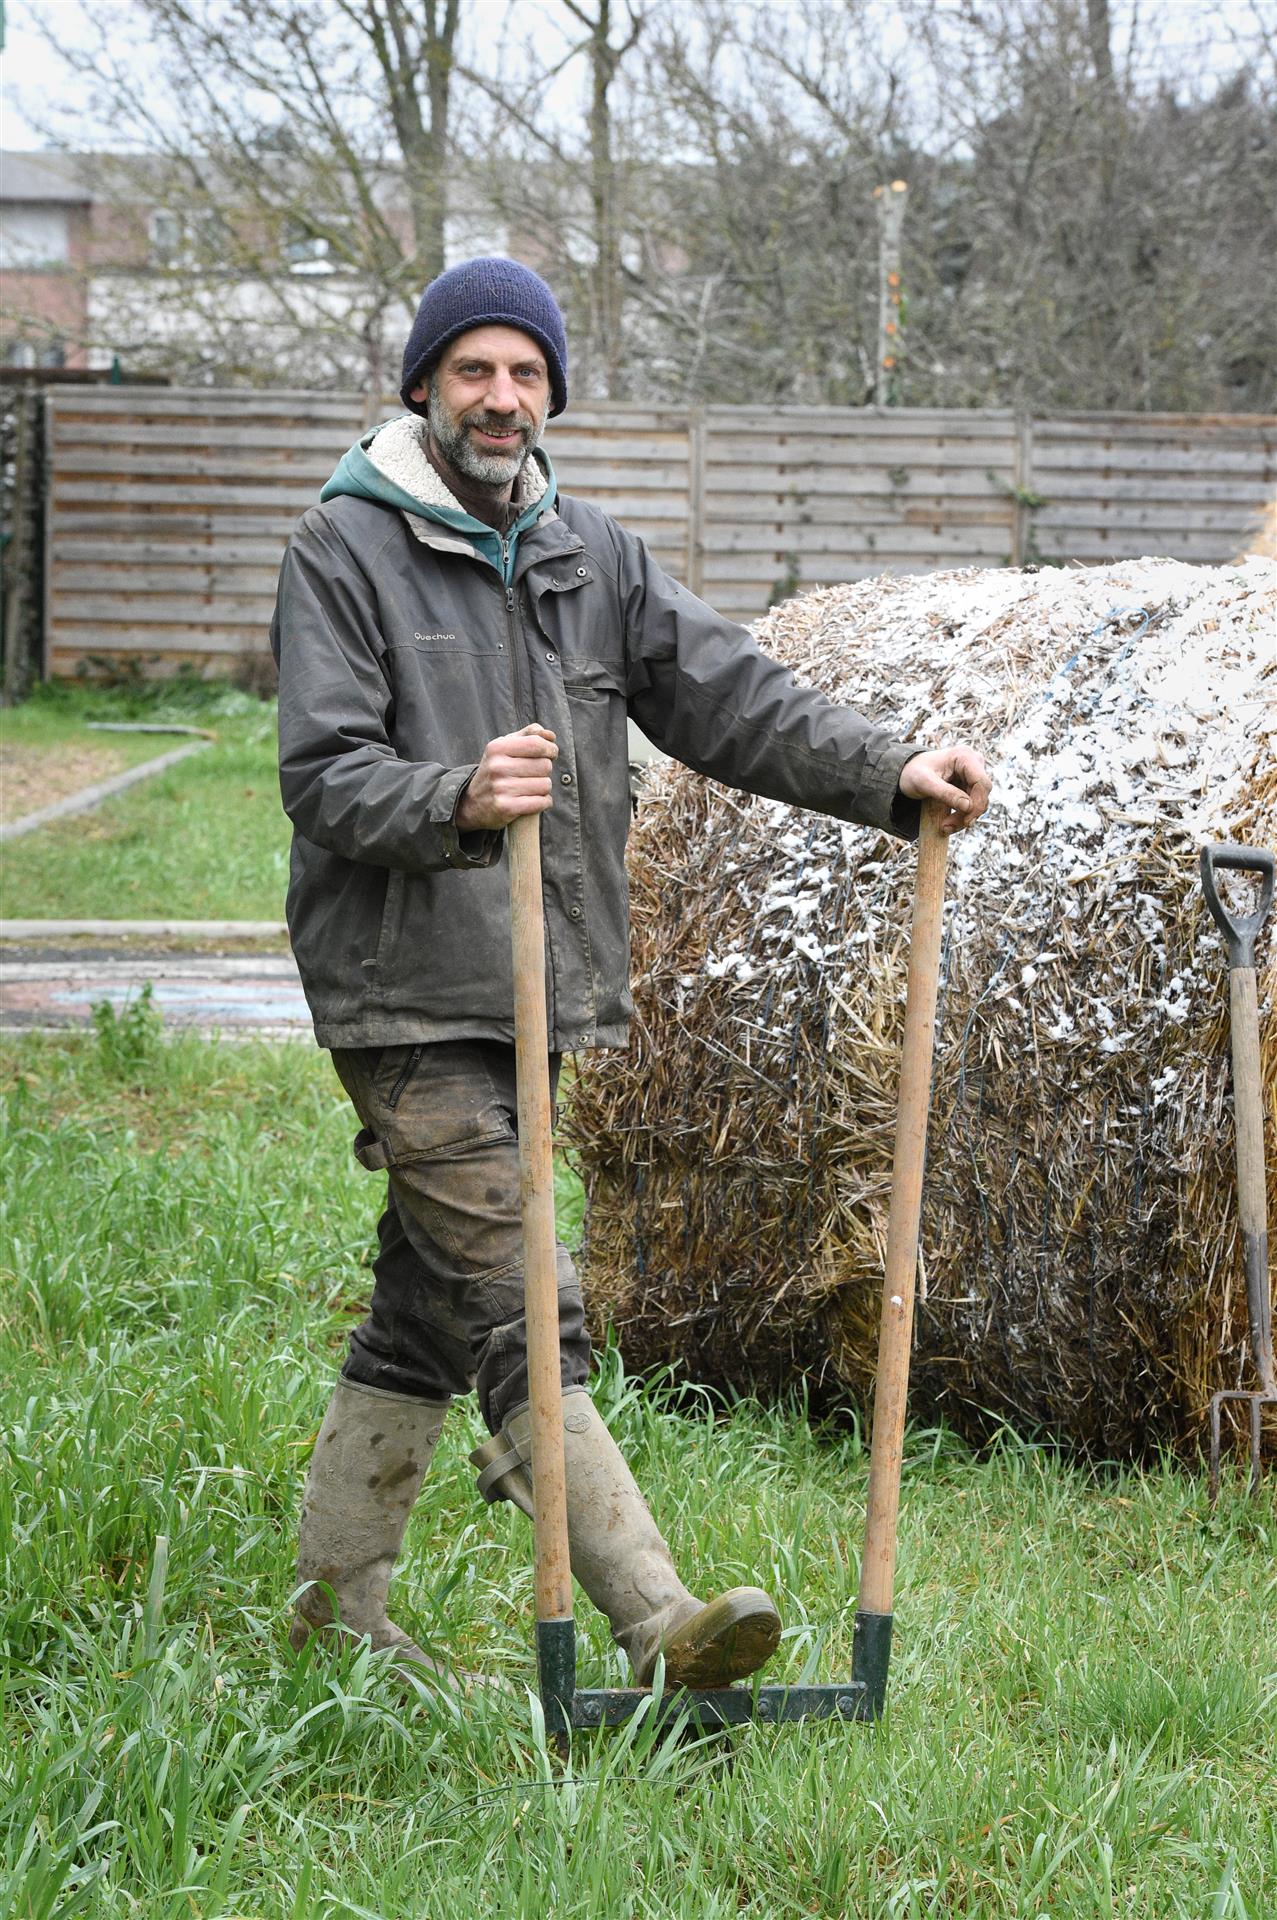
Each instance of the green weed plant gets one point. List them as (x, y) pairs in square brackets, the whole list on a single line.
[(1083, 1686), (127, 1038)]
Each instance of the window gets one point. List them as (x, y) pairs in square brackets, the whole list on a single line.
[(33, 236), (167, 237), (305, 250), (466, 235), (199, 238)]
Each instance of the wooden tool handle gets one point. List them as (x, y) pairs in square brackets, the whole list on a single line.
[(878, 1568), (1252, 1199), (536, 1183)]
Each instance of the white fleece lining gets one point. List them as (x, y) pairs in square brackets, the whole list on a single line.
[(398, 451)]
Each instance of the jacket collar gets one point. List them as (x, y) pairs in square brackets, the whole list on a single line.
[(550, 539), (398, 453)]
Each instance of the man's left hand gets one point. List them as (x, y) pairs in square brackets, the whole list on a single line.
[(956, 777)]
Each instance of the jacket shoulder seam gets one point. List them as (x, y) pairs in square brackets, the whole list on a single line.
[(613, 530), (331, 521)]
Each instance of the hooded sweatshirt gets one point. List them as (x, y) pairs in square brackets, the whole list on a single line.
[(390, 465)]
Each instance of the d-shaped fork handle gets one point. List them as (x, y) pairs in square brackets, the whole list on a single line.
[(1240, 932)]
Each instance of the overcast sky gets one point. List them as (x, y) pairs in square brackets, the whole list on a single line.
[(1174, 36)]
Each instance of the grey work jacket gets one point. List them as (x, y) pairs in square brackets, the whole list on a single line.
[(401, 655)]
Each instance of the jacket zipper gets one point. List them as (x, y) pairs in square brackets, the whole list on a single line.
[(516, 641), (406, 1073)]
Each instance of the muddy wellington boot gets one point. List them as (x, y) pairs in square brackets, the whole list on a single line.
[(365, 1473), (623, 1563)]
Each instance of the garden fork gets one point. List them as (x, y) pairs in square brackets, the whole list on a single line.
[(1240, 934)]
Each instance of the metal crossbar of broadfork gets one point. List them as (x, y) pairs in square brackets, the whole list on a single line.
[(567, 1706), (1240, 935)]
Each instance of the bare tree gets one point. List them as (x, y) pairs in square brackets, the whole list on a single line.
[(1111, 236), (756, 278), (604, 61), (1078, 234), (565, 184), (1085, 226), (302, 150)]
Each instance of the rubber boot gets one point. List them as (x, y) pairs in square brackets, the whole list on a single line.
[(622, 1562), (365, 1474)]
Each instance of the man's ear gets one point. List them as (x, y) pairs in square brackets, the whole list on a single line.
[(420, 394)]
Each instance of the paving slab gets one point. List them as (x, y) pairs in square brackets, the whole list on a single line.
[(49, 991), (212, 932)]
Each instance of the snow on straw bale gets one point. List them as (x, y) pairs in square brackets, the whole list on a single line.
[(1081, 1271)]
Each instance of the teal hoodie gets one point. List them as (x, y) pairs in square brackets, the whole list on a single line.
[(356, 475)]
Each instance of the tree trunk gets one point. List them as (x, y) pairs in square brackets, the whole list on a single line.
[(605, 290), (420, 97), (607, 261), (1100, 34)]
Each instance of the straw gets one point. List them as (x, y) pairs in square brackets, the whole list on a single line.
[(1081, 1270)]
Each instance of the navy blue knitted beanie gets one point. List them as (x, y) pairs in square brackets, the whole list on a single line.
[(483, 293)]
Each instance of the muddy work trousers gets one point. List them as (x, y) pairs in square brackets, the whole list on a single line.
[(447, 1303)]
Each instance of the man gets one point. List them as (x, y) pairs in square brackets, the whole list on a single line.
[(458, 646)]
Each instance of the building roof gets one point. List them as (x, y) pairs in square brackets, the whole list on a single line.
[(44, 176)]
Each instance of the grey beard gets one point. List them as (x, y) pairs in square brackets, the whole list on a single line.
[(454, 443)]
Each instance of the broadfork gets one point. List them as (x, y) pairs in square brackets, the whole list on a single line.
[(1240, 935), (565, 1705)]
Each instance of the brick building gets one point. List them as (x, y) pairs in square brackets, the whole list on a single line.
[(46, 215), (99, 261)]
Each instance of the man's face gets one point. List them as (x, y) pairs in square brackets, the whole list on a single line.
[(487, 401)]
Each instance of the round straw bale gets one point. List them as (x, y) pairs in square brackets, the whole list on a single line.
[(1081, 1272)]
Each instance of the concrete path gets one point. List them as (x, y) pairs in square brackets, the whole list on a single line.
[(46, 988)]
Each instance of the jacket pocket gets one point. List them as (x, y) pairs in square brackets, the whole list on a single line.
[(450, 642), (392, 914), (591, 679)]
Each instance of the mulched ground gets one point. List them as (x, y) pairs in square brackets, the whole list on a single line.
[(32, 777)]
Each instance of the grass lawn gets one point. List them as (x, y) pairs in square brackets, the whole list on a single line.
[(1085, 1674), (205, 840)]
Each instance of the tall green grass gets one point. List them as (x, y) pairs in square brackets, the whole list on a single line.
[(1082, 1693)]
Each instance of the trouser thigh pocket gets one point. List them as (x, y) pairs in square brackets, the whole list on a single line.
[(422, 1100)]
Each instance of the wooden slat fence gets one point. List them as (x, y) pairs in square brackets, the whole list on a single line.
[(169, 508), (799, 497), (1172, 484), (168, 512)]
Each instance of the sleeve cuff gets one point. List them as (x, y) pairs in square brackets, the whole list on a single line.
[(479, 848), (891, 809), (468, 850)]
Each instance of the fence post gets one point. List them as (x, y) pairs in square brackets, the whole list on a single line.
[(15, 570), (891, 217), (45, 637), (696, 501), (22, 612), (1022, 483)]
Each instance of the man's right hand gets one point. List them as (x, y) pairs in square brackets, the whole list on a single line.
[(513, 778)]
